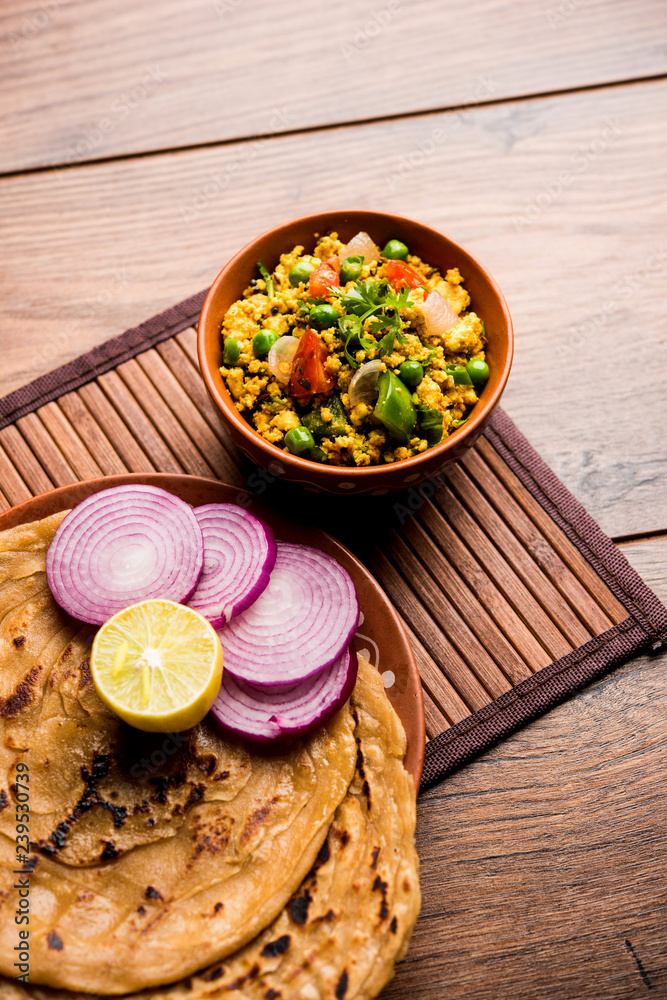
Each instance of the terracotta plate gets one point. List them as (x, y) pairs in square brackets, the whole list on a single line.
[(380, 635)]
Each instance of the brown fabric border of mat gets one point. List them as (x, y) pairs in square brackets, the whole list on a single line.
[(644, 629), (529, 699)]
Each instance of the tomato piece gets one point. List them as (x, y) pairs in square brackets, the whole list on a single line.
[(309, 376), (400, 273), (324, 277)]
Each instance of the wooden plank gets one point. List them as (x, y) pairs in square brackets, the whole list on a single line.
[(112, 426), (124, 402), (482, 607), (92, 434), (12, 483), (516, 554), (649, 557), (490, 577), (22, 458), (112, 78), (73, 448), (5, 505), (456, 628), (41, 443), (448, 664), (100, 272), (558, 541), (184, 410), (558, 837)]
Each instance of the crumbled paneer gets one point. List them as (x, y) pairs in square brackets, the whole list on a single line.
[(285, 310)]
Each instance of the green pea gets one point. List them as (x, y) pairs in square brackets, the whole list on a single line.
[(459, 373), (395, 250), (411, 372), (299, 440), (350, 269), (478, 371), (262, 342), (300, 272), (232, 351), (323, 316)]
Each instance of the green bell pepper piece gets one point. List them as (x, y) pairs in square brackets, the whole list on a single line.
[(395, 408), (459, 373), (326, 429), (430, 425)]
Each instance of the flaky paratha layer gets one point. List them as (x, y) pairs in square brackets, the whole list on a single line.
[(351, 919), (151, 855)]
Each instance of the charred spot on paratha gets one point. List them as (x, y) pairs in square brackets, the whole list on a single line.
[(55, 941), (298, 907), (341, 985), (90, 799), (19, 640), (23, 694), (4, 799), (207, 763), (256, 818), (213, 974), (278, 947), (211, 834), (109, 852), (152, 893), (379, 885)]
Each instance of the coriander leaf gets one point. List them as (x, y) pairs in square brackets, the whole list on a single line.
[(350, 328), (395, 332)]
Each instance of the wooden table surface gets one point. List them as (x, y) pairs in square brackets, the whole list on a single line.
[(143, 143)]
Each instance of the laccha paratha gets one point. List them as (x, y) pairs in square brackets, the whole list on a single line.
[(152, 856), (351, 919)]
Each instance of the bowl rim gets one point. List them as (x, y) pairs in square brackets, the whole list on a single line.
[(479, 415)]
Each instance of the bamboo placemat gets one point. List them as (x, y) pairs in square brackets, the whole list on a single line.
[(510, 593)]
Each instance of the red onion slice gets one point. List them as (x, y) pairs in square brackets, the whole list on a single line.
[(264, 714), (239, 554), (121, 546), (300, 624)]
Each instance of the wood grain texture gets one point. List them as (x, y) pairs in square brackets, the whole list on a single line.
[(497, 173), (542, 862), (175, 74), (649, 557)]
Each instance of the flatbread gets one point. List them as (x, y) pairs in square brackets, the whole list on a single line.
[(351, 919), (152, 855)]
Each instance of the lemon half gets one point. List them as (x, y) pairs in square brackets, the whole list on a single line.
[(158, 665)]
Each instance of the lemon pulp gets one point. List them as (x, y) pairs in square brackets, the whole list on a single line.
[(158, 665)]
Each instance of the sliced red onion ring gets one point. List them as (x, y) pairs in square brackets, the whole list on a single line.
[(121, 546), (300, 624), (263, 714), (239, 554)]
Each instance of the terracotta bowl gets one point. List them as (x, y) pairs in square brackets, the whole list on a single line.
[(486, 299)]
